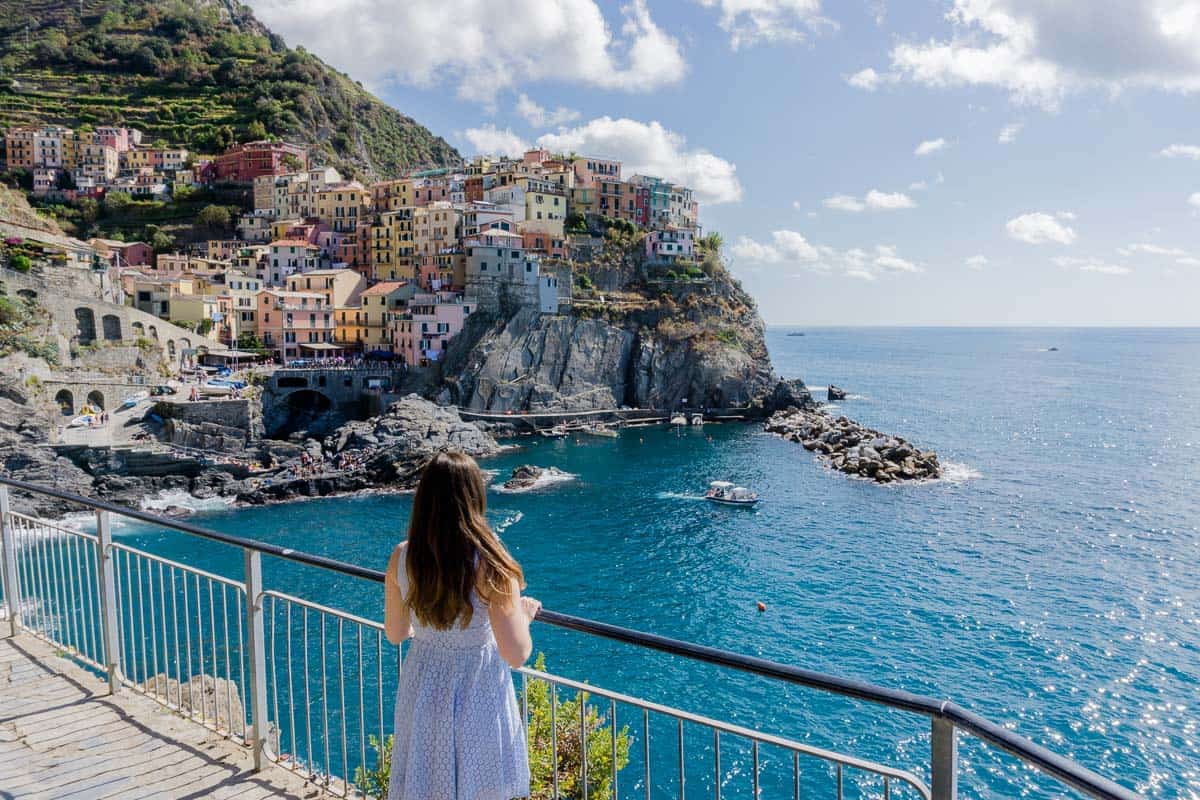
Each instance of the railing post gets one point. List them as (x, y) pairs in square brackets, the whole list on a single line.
[(944, 760), (256, 634), (8, 553), (106, 567)]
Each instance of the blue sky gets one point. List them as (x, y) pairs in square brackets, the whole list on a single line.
[(961, 162)]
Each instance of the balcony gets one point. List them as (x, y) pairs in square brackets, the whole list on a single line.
[(271, 694)]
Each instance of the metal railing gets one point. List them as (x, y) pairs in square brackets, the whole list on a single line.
[(308, 686)]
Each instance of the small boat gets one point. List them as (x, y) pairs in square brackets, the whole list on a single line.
[(601, 430), (678, 419), (134, 399), (215, 389), (796, 333), (557, 432), (726, 494), (84, 421), (697, 419), (1052, 350)]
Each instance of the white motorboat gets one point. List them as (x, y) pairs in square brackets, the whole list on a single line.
[(557, 432), (725, 493), (697, 419), (679, 419), (215, 389), (134, 399), (601, 430)]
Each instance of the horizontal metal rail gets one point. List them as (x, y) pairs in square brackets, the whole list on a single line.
[(940, 711)]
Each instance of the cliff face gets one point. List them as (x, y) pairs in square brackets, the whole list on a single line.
[(700, 342)]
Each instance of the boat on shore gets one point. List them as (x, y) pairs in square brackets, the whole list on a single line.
[(726, 494), (600, 430), (556, 432), (134, 399)]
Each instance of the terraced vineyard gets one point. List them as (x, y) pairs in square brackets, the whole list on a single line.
[(201, 72)]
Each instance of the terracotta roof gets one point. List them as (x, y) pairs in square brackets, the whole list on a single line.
[(292, 243), (385, 287)]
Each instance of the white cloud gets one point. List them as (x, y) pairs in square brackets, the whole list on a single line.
[(651, 149), (490, 140), (888, 201), (1194, 199), (1188, 261), (540, 117), (482, 46), (1067, 215), (866, 79), (977, 262), (1039, 51), (750, 22), (792, 248), (1091, 265), (1008, 134), (1181, 151), (1153, 250), (918, 186), (929, 146), (844, 202), (1039, 228), (874, 199), (786, 246)]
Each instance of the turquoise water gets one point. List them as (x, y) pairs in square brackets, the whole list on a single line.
[(1050, 583)]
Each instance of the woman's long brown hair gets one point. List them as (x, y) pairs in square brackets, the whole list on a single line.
[(452, 550)]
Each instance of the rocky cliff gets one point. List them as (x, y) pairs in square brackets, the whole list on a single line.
[(699, 342)]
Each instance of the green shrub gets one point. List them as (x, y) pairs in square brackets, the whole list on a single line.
[(20, 262)]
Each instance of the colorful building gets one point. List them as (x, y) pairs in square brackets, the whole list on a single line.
[(287, 321), (242, 163)]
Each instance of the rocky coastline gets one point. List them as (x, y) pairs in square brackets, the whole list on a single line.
[(385, 453), (853, 448)]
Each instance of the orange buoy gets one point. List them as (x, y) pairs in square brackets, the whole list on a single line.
[(762, 606)]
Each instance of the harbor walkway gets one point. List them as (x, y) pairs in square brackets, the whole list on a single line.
[(63, 736)]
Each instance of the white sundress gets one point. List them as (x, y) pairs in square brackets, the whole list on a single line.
[(458, 731)]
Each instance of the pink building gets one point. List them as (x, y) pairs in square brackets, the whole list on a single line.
[(420, 335), (670, 244), (295, 324), (431, 190)]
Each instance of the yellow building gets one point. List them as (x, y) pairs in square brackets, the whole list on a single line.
[(350, 331), (391, 195), (436, 227), (340, 206), (338, 287), (377, 306), (392, 247)]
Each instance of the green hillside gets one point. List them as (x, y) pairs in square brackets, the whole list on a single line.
[(204, 73)]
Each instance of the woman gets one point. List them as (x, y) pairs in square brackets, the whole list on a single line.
[(454, 588)]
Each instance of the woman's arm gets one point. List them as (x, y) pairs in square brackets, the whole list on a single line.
[(397, 619), (510, 620)]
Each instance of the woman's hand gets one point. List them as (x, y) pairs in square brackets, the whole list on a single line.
[(531, 607)]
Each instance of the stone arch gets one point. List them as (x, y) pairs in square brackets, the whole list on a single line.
[(185, 343), (28, 295), (170, 348), (153, 331), (110, 324), (65, 401), (85, 322), (95, 399), (139, 330)]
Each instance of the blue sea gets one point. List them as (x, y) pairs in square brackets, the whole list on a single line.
[(1049, 582)]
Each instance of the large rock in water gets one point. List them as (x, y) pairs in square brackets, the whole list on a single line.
[(396, 445)]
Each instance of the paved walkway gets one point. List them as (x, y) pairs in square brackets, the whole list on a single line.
[(62, 736)]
